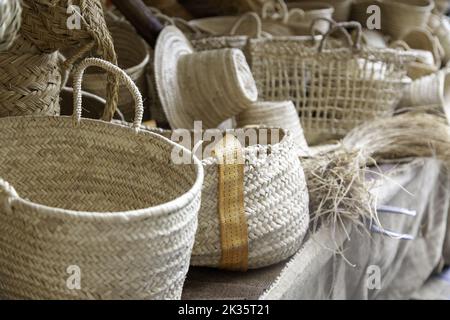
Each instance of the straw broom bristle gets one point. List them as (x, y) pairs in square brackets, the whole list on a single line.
[(339, 191)]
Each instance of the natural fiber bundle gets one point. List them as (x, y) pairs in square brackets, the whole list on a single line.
[(104, 199), (274, 194), (10, 20), (30, 81), (278, 115), (338, 189), (132, 57), (334, 89), (47, 24)]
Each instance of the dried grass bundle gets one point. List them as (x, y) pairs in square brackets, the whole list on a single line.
[(339, 191)]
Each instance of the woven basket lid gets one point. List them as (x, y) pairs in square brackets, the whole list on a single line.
[(211, 86)]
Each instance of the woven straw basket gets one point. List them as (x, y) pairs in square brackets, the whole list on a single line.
[(333, 89), (10, 20), (104, 200), (359, 10), (275, 202), (430, 93), (133, 57), (400, 16), (30, 81), (281, 114)]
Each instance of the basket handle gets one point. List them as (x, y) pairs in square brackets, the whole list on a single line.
[(341, 26), (114, 70), (244, 17)]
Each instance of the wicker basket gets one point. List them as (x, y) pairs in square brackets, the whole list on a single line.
[(333, 89), (30, 81), (46, 23), (274, 193), (133, 57), (400, 16), (96, 199), (10, 20)]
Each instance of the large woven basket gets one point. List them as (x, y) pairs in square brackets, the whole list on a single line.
[(274, 193), (30, 81), (334, 89), (99, 201), (133, 57), (10, 20)]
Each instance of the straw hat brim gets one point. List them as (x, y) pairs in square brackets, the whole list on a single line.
[(171, 45)]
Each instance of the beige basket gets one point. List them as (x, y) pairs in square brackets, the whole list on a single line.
[(275, 200), (334, 89), (281, 114), (10, 20), (30, 81), (400, 16), (429, 93), (100, 200), (342, 9), (46, 24), (133, 57)]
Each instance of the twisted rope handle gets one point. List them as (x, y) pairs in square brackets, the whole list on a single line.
[(341, 26), (244, 17), (113, 70)]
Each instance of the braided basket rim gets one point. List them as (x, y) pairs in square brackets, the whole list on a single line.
[(165, 208)]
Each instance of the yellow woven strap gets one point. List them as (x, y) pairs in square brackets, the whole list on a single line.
[(233, 223)]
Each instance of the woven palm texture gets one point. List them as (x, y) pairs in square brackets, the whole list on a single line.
[(275, 199), (334, 89), (105, 198), (30, 80), (10, 19), (46, 24)]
